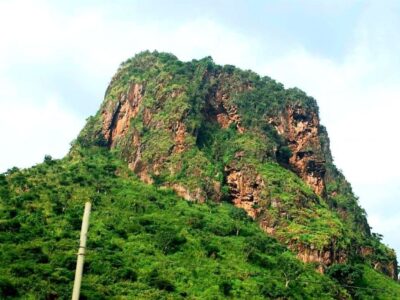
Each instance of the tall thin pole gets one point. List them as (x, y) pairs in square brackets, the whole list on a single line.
[(81, 252)]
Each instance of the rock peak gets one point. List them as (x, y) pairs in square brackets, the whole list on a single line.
[(215, 133)]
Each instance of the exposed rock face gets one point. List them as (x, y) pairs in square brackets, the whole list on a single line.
[(388, 268), (323, 258), (135, 163), (179, 137), (158, 125), (219, 107), (300, 127), (186, 194), (245, 187), (117, 115)]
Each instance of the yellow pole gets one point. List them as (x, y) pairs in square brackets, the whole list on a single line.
[(81, 252)]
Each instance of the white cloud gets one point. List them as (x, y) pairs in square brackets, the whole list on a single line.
[(30, 131)]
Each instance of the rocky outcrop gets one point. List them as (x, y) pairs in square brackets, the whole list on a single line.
[(248, 191), (300, 127), (117, 115), (219, 107), (322, 257), (245, 188), (157, 122), (389, 268), (185, 193), (179, 131), (135, 162), (385, 265)]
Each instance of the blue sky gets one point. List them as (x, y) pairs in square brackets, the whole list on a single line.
[(57, 57)]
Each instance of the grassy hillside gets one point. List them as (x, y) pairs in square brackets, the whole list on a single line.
[(143, 242)]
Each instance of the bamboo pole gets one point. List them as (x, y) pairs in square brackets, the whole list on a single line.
[(81, 252)]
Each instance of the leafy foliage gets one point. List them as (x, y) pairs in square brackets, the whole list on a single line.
[(143, 242), (362, 282)]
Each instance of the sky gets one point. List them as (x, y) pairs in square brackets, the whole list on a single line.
[(57, 58)]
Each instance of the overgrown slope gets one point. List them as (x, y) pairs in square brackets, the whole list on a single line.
[(143, 242)]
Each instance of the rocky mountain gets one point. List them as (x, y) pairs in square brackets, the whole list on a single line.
[(218, 137), (213, 133)]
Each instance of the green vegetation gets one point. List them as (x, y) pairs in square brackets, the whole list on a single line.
[(143, 242), (146, 242), (307, 220), (362, 282)]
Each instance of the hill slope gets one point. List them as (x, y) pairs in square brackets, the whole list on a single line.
[(216, 136), (143, 241)]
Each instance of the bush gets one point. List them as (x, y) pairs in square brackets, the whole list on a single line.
[(7, 289), (347, 275), (48, 160), (160, 283), (170, 240), (127, 274), (283, 154)]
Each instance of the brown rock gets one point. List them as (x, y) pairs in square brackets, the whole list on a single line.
[(117, 116), (300, 128)]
